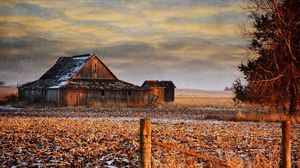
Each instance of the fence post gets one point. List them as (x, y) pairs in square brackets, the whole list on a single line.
[(145, 143), (286, 153)]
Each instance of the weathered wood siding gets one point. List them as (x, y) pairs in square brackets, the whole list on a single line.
[(159, 92), (94, 69), (91, 98), (51, 96), (108, 98), (39, 96)]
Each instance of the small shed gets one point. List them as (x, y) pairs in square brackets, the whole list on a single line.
[(83, 80), (163, 90)]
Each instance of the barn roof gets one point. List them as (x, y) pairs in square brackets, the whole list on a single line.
[(156, 83), (83, 84), (59, 76), (66, 67), (96, 84)]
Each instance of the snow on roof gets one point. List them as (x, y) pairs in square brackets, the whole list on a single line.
[(58, 85), (79, 63), (65, 68)]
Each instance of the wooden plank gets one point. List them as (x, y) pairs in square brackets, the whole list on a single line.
[(145, 143)]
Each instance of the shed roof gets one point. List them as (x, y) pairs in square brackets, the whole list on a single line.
[(156, 83)]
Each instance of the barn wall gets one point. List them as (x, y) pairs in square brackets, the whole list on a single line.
[(51, 96), (38, 95), (159, 92), (89, 98), (90, 72), (21, 94), (137, 98), (104, 98)]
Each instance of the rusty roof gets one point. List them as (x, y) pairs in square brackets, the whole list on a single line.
[(157, 83)]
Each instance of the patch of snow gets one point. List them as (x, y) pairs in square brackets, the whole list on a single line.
[(8, 107), (105, 156), (79, 58), (112, 166), (109, 162), (59, 85)]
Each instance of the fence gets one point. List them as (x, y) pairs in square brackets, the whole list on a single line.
[(286, 153)]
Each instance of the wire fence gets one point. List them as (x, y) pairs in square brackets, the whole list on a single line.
[(146, 141)]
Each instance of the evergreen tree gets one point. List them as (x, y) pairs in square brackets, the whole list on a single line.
[(273, 75)]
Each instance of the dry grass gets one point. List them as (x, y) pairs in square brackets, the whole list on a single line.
[(193, 101), (77, 142), (203, 98)]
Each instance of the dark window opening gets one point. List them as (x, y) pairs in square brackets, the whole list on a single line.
[(102, 93), (129, 93), (95, 68)]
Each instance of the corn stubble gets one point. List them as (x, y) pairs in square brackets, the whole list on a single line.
[(96, 142)]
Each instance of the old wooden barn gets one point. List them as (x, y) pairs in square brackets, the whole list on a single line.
[(163, 90), (83, 80)]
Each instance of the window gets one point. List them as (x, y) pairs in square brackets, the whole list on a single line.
[(129, 93), (102, 93), (95, 69)]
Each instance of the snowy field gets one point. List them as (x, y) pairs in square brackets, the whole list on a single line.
[(86, 138)]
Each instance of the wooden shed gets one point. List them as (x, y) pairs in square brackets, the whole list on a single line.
[(83, 80), (163, 90)]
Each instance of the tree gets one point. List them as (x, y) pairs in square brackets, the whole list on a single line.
[(272, 76), (2, 83)]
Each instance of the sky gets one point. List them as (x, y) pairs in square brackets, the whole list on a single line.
[(197, 44)]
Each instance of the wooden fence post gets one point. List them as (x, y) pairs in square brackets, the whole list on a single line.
[(286, 153), (145, 143)]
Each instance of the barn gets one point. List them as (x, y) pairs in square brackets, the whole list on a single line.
[(83, 80), (164, 91)]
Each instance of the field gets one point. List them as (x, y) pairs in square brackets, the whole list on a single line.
[(196, 98), (88, 137), (7, 91)]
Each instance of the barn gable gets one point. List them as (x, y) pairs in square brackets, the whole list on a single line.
[(94, 68), (86, 66)]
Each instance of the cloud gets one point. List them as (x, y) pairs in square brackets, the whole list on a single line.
[(55, 29), (182, 40), (170, 62), (28, 58)]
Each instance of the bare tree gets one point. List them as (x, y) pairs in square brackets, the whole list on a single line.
[(272, 76)]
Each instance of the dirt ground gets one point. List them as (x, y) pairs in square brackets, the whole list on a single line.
[(108, 137)]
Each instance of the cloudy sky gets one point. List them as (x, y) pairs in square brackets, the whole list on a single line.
[(194, 43)]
